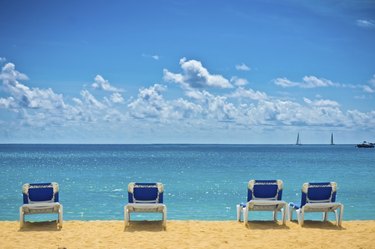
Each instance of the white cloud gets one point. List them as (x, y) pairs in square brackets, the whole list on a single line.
[(184, 109), (25, 97), (199, 109), (194, 75), (307, 82), (322, 102), (356, 117), (7, 102), (248, 93), (238, 81), (102, 84), (9, 74), (155, 56), (365, 23), (117, 98), (242, 67), (284, 82), (371, 87), (368, 89), (90, 100), (312, 82), (149, 103)]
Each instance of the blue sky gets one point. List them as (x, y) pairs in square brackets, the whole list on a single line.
[(168, 71)]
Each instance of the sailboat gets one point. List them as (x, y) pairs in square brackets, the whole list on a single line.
[(298, 142), (332, 139)]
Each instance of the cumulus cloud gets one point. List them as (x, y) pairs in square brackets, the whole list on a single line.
[(248, 93), (37, 107), (322, 102), (194, 75), (89, 99), (117, 98), (242, 67), (25, 97), (368, 89), (7, 102), (238, 81), (284, 82), (315, 82), (9, 74), (149, 103), (365, 23), (307, 82), (102, 84), (198, 109)]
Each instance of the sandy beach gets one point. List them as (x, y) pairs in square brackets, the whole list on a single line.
[(187, 234)]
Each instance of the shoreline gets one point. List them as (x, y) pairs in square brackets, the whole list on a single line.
[(188, 234)]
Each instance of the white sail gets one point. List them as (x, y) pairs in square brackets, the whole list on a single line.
[(298, 142)]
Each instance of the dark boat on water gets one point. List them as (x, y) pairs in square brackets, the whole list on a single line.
[(365, 145)]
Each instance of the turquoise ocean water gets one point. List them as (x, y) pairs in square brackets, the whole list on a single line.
[(202, 182)]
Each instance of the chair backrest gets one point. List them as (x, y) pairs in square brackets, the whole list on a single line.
[(318, 192), (264, 190), (40, 192), (145, 192)]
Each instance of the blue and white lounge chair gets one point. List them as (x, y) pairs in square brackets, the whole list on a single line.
[(41, 198), (145, 198), (317, 197), (263, 195)]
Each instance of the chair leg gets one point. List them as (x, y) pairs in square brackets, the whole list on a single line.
[(286, 212), (341, 215), (238, 212), (126, 216), (325, 216), (337, 217), (299, 217), (22, 217), (60, 216), (245, 216), (165, 217), (302, 217), (275, 216), (290, 214)]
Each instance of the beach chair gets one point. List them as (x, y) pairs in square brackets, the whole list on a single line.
[(263, 195), (41, 198), (145, 198), (318, 197)]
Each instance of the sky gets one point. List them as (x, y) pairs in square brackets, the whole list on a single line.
[(173, 71)]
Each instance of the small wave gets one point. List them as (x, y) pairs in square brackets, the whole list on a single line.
[(117, 190)]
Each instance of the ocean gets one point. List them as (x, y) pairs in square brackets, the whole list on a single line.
[(202, 182)]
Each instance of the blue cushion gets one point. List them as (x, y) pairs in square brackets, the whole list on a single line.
[(319, 191), (40, 192), (145, 192), (268, 190)]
